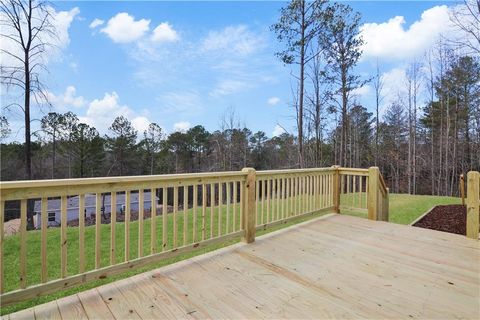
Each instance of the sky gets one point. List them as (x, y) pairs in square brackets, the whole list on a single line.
[(180, 64)]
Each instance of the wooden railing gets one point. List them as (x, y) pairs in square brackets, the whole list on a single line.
[(363, 191), (139, 220), (473, 204)]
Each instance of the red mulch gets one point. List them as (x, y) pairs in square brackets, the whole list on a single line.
[(450, 218)]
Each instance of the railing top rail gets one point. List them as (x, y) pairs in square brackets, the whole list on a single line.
[(9, 185), (293, 171)]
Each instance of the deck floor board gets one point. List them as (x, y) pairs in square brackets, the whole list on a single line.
[(331, 267)]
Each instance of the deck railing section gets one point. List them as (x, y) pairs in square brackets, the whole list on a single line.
[(473, 204), (285, 194), (139, 220)]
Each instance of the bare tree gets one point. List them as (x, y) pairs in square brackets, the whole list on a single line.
[(26, 25), (378, 86), (466, 18), (297, 27)]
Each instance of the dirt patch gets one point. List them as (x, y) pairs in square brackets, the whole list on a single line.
[(449, 218)]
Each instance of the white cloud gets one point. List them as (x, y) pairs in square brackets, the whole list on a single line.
[(62, 21), (273, 101), (277, 131), (101, 113), (362, 91), (67, 100), (95, 23), (393, 84), (234, 39), (123, 28), (164, 33), (140, 123), (182, 126), (392, 40), (227, 87)]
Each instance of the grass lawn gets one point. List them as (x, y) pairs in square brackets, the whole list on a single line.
[(405, 208)]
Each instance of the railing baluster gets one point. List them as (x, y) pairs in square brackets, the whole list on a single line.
[(44, 226), (204, 210), (98, 224), (220, 201), (164, 218), (2, 219), (277, 194), (113, 222), (228, 206), (242, 200), (81, 235), (63, 226), (175, 211), (195, 205), (269, 190), (153, 220), (212, 208), (23, 243), (127, 225), (264, 197), (235, 194), (185, 214), (141, 207)]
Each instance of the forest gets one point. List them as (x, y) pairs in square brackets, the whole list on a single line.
[(422, 141)]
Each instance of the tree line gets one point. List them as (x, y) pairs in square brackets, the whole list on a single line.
[(422, 141)]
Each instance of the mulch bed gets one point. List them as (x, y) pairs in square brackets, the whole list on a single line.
[(450, 218)]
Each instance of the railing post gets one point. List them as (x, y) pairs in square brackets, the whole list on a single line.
[(373, 179), (336, 189), (473, 204), (249, 205)]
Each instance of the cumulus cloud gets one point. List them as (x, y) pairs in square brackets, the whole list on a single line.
[(182, 126), (362, 91), (123, 28), (96, 23), (164, 32), (273, 101), (393, 40), (66, 100), (236, 39), (101, 113), (277, 131)]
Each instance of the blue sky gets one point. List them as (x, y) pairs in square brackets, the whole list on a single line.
[(185, 63)]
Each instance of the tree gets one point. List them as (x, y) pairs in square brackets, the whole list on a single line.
[(297, 27), (26, 26), (52, 124), (122, 145), (87, 150), (466, 18), (378, 86), (152, 142), (342, 42), (70, 121), (4, 128)]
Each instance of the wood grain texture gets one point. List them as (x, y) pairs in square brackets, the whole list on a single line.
[(304, 271)]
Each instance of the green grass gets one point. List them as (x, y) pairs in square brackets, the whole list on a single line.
[(12, 248), (405, 208)]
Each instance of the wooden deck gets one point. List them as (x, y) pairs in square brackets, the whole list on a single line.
[(331, 267)]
